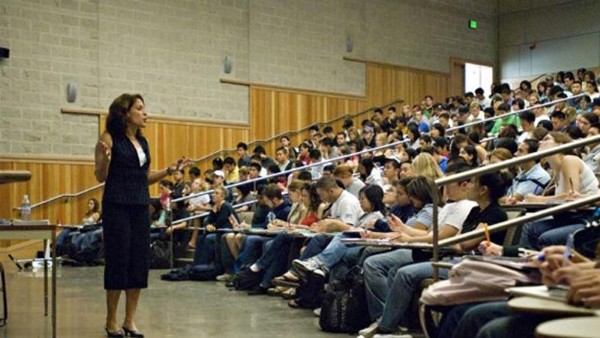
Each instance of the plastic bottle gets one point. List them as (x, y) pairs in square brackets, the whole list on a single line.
[(25, 208)]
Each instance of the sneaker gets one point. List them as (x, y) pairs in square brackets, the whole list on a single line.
[(311, 265), (226, 277), (397, 335), (317, 312), (369, 331)]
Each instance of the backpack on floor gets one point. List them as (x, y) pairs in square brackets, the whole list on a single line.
[(205, 272), (160, 254), (246, 280), (344, 308), (310, 293)]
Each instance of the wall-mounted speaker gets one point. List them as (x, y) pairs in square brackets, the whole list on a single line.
[(349, 44), (71, 92), (4, 52), (227, 64)]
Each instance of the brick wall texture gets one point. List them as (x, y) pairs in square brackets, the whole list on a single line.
[(172, 51)]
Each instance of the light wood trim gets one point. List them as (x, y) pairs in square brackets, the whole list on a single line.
[(267, 86), (157, 117), (46, 159), (379, 63)]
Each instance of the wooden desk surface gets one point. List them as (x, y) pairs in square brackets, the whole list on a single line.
[(7, 176), (588, 327), (549, 307)]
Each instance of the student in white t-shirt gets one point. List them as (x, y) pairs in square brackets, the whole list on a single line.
[(345, 208)]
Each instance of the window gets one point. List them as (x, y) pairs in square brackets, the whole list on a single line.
[(478, 76)]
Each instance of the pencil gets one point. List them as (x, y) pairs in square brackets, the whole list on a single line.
[(487, 234), (571, 183)]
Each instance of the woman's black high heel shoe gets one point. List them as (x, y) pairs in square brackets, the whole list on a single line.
[(118, 333), (132, 333)]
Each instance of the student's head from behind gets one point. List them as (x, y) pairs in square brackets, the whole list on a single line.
[(499, 155), (371, 198), (425, 165), (343, 172), (490, 187)]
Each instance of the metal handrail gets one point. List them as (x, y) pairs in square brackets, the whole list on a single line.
[(468, 124), (494, 168), (52, 199), (345, 116), (206, 213), (319, 164)]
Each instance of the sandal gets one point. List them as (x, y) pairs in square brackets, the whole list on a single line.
[(293, 304)]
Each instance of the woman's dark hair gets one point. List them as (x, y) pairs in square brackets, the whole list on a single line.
[(440, 128), (116, 121), (420, 188), (414, 129), (497, 184), (470, 149), (96, 207), (305, 175), (525, 84), (155, 204), (315, 199), (374, 194), (369, 165), (410, 152)]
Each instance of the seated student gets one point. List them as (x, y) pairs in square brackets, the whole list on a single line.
[(231, 170), (441, 160), (379, 270), (371, 203), (352, 184), (425, 165), (279, 208), (197, 205), (496, 319), (573, 180), (369, 173), (220, 216), (274, 260), (502, 109), (592, 156), (92, 216), (391, 170), (532, 178)]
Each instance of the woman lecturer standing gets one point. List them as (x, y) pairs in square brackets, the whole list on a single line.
[(123, 162)]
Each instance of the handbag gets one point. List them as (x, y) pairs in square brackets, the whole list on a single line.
[(477, 281)]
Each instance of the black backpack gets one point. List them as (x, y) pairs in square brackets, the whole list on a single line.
[(160, 254), (205, 272), (246, 280), (344, 308), (310, 293)]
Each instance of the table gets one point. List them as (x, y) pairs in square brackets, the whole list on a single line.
[(569, 328), (548, 307), (8, 176), (45, 233)]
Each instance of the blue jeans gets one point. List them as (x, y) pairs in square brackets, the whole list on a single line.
[(406, 283), (206, 246), (275, 258), (379, 272), (478, 315), (251, 250), (315, 246), (539, 234)]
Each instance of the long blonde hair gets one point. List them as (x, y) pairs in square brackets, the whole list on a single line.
[(425, 165)]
